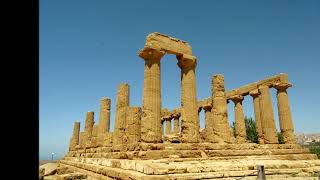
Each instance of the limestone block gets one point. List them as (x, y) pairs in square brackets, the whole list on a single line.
[(50, 168), (168, 44)]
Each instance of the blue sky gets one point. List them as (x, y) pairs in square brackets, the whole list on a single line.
[(88, 47)]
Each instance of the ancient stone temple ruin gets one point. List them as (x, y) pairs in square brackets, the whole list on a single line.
[(144, 146)]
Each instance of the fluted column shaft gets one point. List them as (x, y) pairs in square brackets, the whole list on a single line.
[(240, 127), (76, 133), (133, 127), (222, 130), (151, 105), (104, 118), (168, 126), (209, 124), (189, 111), (74, 140), (267, 116), (284, 112), (89, 122), (122, 102), (256, 103), (176, 128)]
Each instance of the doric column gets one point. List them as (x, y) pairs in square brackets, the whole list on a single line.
[(267, 117), (94, 137), (284, 112), (76, 133), (151, 105), (189, 111), (209, 132), (104, 120), (133, 127), (89, 126), (74, 141), (168, 124), (256, 103), (240, 126), (122, 102), (219, 111), (176, 117), (83, 139)]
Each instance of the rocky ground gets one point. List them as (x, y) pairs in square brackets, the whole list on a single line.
[(50, 170)]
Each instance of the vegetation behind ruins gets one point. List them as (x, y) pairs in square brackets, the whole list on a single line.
[(314, 148), (252, 136)]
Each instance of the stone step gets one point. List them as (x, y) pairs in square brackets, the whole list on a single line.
[(195, 169), (185, 146), (159, 154)]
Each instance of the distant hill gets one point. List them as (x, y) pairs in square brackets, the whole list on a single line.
[(305, 139)]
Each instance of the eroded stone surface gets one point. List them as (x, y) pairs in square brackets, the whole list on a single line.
[(139, 149)]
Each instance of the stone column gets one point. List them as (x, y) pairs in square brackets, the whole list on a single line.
[(76, 133), (122, 102), (94, 137), (256, 103), (190, 120), (133, 127), (219, 111), (176, 128), (284, 112), (104, 120), (168, 124), (240, 126), (209, 133), (151, 105), (267, 117), (74, 140), (83, 139), (89, 127)]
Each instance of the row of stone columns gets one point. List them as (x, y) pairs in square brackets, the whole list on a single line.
[(93, 134), (264, 116), (168, 120)]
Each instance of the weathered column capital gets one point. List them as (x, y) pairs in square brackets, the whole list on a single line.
[(105, 103), (176, 115), (167, 118), (254, 93), (207, 107), (236, 98), (186, 61), (150, 54), (282, 86)]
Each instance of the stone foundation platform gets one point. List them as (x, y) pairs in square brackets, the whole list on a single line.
[(193, 161)]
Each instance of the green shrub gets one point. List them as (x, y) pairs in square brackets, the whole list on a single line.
[(315, 148)]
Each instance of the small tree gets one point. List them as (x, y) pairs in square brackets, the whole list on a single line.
[(280, 138), (250, 129)]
